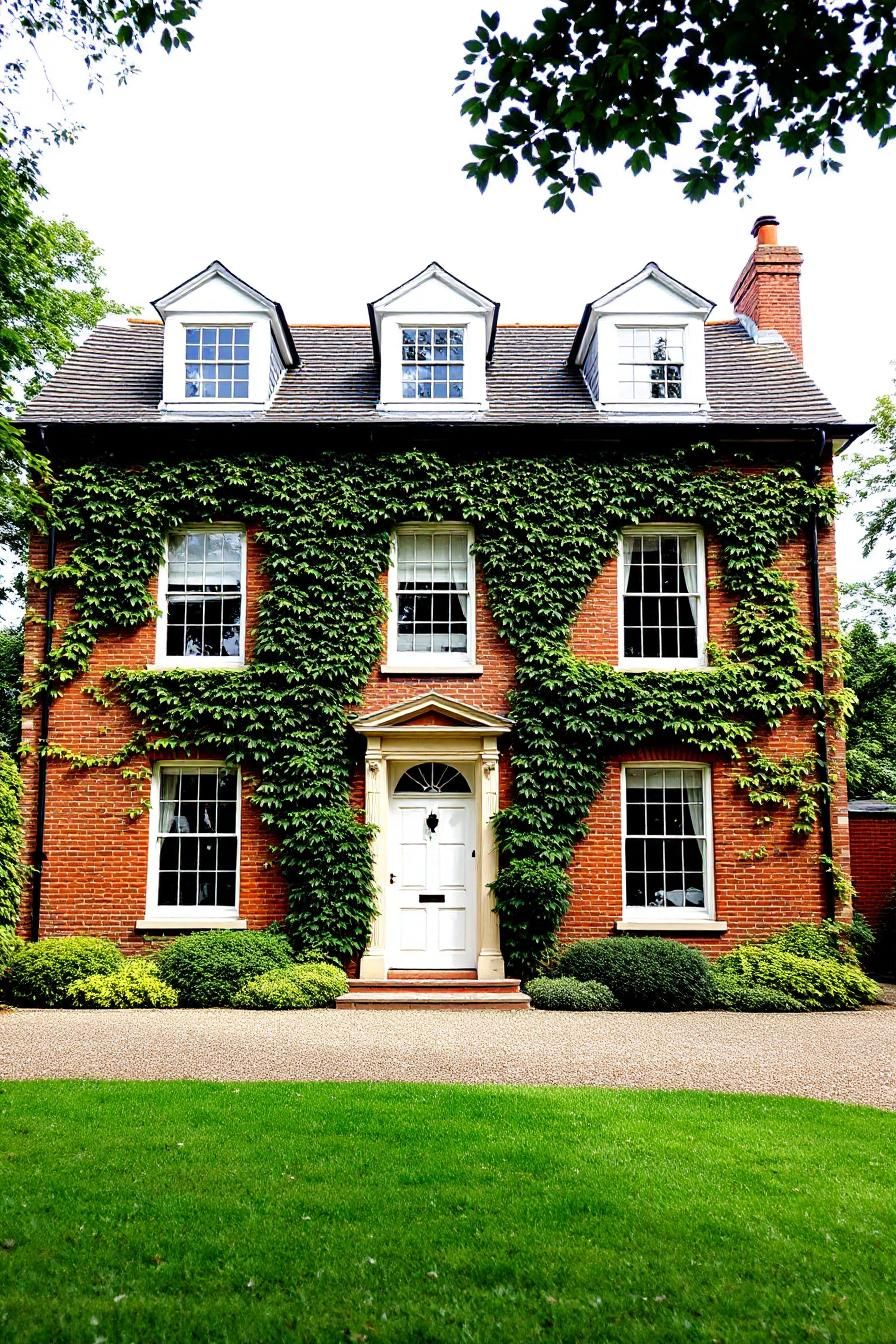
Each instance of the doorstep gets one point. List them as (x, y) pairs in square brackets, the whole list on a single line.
[(427, 992)]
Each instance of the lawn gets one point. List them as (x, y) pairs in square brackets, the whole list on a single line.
[(145, 1213)]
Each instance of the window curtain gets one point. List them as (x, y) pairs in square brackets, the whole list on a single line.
[(687, 562), (628, 551), (693, 793), (168, 818)]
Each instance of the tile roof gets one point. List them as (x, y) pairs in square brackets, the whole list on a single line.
[(116, 377)]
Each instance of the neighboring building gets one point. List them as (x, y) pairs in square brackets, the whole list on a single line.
[(668, 837)]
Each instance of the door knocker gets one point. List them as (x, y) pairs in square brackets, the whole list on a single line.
[(432, 822)]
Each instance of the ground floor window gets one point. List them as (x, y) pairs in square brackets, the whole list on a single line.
[(666, 830), (196, 820)]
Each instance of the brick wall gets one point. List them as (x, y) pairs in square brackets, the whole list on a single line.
[(872, 839), (768, 292), (96, 869)]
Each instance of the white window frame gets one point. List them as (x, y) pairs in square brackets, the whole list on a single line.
[(418, 326), (634, 915), (217, 326), (162, 657), (442, 663), (188, 916), (662, 664), (623, 363)]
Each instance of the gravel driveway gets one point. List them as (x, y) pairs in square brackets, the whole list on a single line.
[(834, 1056)]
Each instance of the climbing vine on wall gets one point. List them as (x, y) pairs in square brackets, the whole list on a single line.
[(544, 529)]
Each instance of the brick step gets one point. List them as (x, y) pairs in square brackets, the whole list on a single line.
[(434, 999), (389, 988), (430, 975)]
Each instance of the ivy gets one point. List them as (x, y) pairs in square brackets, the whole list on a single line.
[(544, 529), (12, 870)]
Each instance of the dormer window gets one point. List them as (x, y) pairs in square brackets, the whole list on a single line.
[(651, 361), (217, 362), (432, 363), (226, 347), (640, 348), (432, 340)]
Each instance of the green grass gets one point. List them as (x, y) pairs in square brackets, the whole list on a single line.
[(144, 1213)]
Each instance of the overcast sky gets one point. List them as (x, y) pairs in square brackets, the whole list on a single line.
[(317, 151)]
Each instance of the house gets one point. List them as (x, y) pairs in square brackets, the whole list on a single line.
[(427, 572)]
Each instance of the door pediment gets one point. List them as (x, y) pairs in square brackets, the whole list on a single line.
[(431, 712)]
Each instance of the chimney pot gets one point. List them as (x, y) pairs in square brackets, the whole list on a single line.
[(765, 231)]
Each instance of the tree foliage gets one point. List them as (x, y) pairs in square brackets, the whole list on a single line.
[(871, 480), (871, 735), (593, 75)]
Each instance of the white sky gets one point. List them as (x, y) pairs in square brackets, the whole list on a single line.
[(317, 151)]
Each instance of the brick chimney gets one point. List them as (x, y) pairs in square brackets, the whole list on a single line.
[(768, 288)]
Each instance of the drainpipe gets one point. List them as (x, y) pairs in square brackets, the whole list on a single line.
[(813, 476), (39, 855)]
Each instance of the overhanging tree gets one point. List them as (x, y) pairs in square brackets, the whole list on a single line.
[(871, 734), (592, 75)]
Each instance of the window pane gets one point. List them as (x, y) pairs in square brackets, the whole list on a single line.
[(432, 576), (666, 868), (432, 362), (197, 836)]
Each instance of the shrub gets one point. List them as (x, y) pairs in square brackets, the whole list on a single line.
[(566, 994), (532, 898), (827, 941), (863, 939), (9, 945), (813, 982), (643, 972), (740, 996), (136, 984), (885, 945), (40, 973), (310, 985), (207, 969)]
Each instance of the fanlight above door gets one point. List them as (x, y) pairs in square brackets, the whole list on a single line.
[(432, 777)]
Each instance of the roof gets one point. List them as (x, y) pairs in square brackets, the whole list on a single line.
[(871, 807), (116, 377)]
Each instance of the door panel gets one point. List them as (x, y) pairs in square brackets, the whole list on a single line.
[(437, 863)]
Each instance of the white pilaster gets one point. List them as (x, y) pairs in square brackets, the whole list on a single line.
[(490, 963), (376, 804)]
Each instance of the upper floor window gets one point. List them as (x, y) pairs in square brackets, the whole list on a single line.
[(431, 591), (651, 361), (432, 363), (662, 597), (217, 362), (202, 595)]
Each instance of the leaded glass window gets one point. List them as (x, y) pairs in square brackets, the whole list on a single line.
[(204, 597), (217, 362), (198, 836), (432, 363), (665, 838), (651, 360), (662, 592), (432, 592)]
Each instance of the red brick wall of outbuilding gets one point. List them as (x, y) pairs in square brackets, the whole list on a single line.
[(872, 838)]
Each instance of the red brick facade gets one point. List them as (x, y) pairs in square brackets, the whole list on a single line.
[(872, 838), (95, 875)]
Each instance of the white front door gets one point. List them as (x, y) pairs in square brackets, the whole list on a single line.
[(431, 898)]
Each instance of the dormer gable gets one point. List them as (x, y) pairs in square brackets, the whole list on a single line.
[(640, 347), (226, 345), (433, 337)]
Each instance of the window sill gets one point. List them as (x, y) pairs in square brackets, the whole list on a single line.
[(199, 664), (432, 669), (696, 927), (664, 665), (158, 925)]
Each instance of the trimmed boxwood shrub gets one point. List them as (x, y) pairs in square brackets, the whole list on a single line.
[(643, 972), (741, 996), (136, 984), (566, 994), (40, 973), (207, 969), (9, 945), (815, 983), (308, 985)]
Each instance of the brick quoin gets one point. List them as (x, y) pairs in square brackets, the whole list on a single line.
[(96, 868)]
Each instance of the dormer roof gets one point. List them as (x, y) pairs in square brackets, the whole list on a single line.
[(651, 277), (425, 285), (216, 270)]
